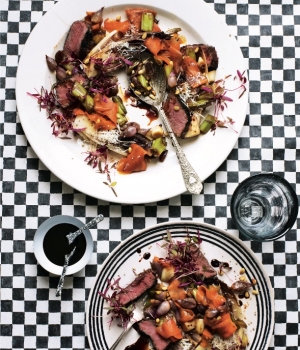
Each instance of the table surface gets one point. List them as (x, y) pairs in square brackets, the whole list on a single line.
[(32, 317)]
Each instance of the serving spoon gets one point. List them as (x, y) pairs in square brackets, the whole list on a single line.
[(158, 83)]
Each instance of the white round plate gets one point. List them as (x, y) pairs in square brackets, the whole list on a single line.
[(216, 244), (65, 158), (39, 239)]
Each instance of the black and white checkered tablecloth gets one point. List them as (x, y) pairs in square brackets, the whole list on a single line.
[(268, 32)]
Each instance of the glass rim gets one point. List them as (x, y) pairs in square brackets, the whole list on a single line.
[(294, 212)]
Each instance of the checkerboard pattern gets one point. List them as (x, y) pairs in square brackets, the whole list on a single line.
[(268, 32)]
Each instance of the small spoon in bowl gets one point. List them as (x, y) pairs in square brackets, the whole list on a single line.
[(63, 273), (158, 84), (71, 236)]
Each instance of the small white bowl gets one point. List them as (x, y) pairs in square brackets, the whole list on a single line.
[(39, 251)]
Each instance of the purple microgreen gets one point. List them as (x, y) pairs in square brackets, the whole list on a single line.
[(243, 81), (206, 88), (111, 186), (62, 120), (226, 98), (94, 158), (184, 284), (224, 266), (244, 90), (99, 158), (217, 93), (125, 60), (183, 256), (115, 309)]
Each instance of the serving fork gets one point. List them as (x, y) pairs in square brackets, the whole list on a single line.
[(138, 315)]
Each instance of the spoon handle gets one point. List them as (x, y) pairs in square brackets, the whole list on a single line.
[(63, 274), (191, 179), (71, 236)]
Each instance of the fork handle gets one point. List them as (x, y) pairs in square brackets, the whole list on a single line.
[(116, 343), (191, 179)]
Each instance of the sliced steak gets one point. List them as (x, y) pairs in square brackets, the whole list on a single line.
[(62, 91), (78, 39), (148, 328), (61, 57), (204, 51), (205, 270), (177, 114), (211, 56), (144, 281), (80, 78), (64, 87)]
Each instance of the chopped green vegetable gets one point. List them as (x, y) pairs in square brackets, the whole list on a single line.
[(201, 100), (79, 91), (121, 107), (121, 119), (147, 22), (143, 81), (191, 52), (158, 146), (208, 122), (132, 67), (81, 94), (121, 114), (168, 68), (88, 103)]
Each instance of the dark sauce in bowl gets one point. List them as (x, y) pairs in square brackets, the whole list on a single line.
[(55, 244)]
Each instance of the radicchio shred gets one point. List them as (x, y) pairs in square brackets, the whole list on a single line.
[(183, 256), (116, 310), (61, 119)]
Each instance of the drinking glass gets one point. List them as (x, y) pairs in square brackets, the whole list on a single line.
[(264, 207)]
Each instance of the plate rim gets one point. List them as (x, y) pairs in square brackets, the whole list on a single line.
[(194, 223)]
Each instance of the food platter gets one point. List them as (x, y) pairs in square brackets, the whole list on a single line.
[(216, 244), (65, 157)]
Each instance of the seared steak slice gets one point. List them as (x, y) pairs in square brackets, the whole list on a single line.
[(178, 115), (80, 78), (63, 90), (78, 39), (148, 328), (202, 50), (64, 87), (205, 270), (211, 56), (144, 281)]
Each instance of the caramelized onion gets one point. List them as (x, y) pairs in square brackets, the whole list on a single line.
[(51, 63), (60, 73), (97, 17), (187, 303), (210, 313), (241, 286), (163, 308)]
